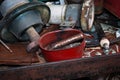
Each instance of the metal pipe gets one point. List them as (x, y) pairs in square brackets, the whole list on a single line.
[(63, 14), (57, 14), (65, 42), (33, 35)]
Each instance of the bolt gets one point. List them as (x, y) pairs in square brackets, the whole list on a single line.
[(34, 36)]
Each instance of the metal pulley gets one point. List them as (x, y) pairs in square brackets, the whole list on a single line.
[(87, 15), (23, 21), (19, 17)]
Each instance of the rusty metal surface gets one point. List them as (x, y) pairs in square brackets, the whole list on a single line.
[(87, 15), (19, 56), (66, 42), (70, 69)]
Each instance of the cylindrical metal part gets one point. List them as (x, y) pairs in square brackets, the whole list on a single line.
[(33, 35), (9, 5), (21, 18), (57, 14), (25, 21), (64, 13), (67, 41)]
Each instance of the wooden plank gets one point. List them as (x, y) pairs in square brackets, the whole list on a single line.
[(69, 69)]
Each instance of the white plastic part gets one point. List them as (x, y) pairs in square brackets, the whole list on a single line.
[(57, 14), (9, 5), (104, 41)]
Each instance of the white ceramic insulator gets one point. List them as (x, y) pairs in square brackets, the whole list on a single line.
[(104, 41), (57, 14), (9, 5)]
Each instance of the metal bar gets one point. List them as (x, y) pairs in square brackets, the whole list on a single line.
[(69, 69), (5, 45), (65, 42)]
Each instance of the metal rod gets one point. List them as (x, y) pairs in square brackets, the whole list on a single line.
[(65, 42), (32, 33), (6, 46)]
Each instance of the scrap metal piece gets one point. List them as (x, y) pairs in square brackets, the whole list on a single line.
[(32, 47), (24, 9), (87, 15), (25, 21), (7, 5), (6, 46), (34, 36), (65, 42), (63, 14), (71, 45)]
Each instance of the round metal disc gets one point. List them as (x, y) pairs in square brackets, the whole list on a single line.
[(87, 15)]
